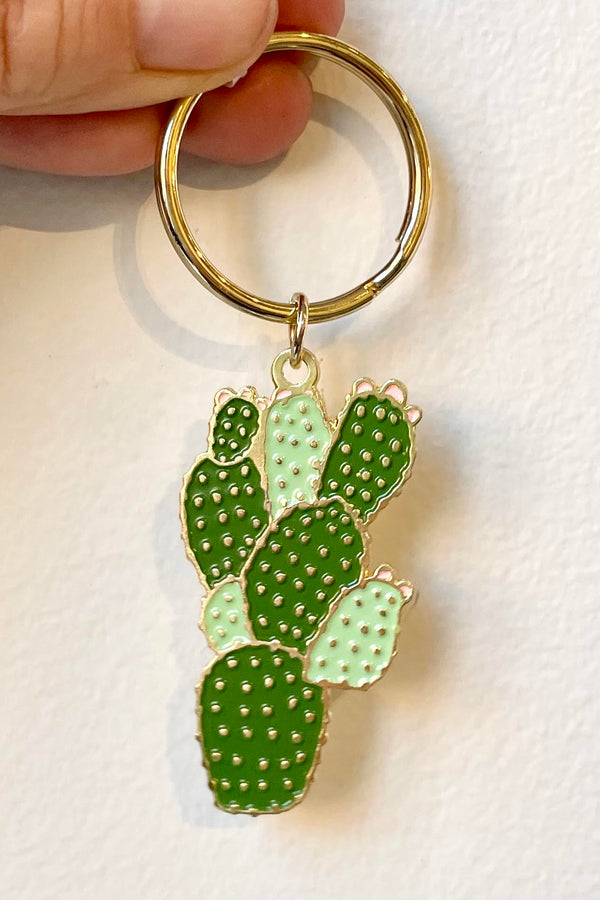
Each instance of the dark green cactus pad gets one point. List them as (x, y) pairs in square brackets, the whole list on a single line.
[(371, 455), (224, 513), (261, 725), (305, 559), (234, 428)]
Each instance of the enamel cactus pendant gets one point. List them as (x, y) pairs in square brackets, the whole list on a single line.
[(275, 520)]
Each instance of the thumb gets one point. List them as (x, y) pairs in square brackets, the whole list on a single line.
[(72, 56)]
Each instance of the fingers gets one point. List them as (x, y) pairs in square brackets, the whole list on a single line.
[(322, 16), (103, 143), (257, 120), (260, 119), (70, 56)]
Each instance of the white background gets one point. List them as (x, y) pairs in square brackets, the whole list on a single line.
[(471, 771)]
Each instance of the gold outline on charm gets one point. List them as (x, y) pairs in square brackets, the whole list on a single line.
[(257, 454)]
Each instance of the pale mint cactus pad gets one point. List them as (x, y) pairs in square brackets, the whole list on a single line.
[(356, 644), (275, 520), (224, 617), (296, 438)]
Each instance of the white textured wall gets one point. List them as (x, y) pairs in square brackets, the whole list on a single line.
[(471, 772)]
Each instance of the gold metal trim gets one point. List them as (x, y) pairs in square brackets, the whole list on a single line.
[(415, 217)]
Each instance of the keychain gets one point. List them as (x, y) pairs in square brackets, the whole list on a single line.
[(275, 515)]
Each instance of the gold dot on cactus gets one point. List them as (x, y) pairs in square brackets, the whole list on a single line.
[(236, 759), (223, 730), (246, 687), (220, 685), (225, 784), (216, 755), (263, 764), (284, 763), (290, 678), (247, 733), (244, 785), (269, 681), (293, 702), (300, 756), (272, 734)]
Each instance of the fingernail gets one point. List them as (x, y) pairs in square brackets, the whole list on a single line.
[(200, 35)]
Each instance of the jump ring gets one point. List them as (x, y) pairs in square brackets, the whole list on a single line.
[(298, 328)]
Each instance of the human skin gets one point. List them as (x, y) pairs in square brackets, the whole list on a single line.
[(85, 84)]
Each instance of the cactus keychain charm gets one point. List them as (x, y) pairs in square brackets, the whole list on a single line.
[(275, 515)]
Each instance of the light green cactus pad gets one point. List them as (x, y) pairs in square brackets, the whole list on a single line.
[(296, 439), (356, 643), (224, 619)]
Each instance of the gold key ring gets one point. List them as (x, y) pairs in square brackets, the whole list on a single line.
[(415, 217)]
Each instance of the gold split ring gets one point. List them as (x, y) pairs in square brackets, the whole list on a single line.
[(415, 217)]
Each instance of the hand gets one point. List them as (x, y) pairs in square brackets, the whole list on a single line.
[(85, 84)]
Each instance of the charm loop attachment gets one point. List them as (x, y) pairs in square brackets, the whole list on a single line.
[(310, 380), (298, 329), (415, 217)]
